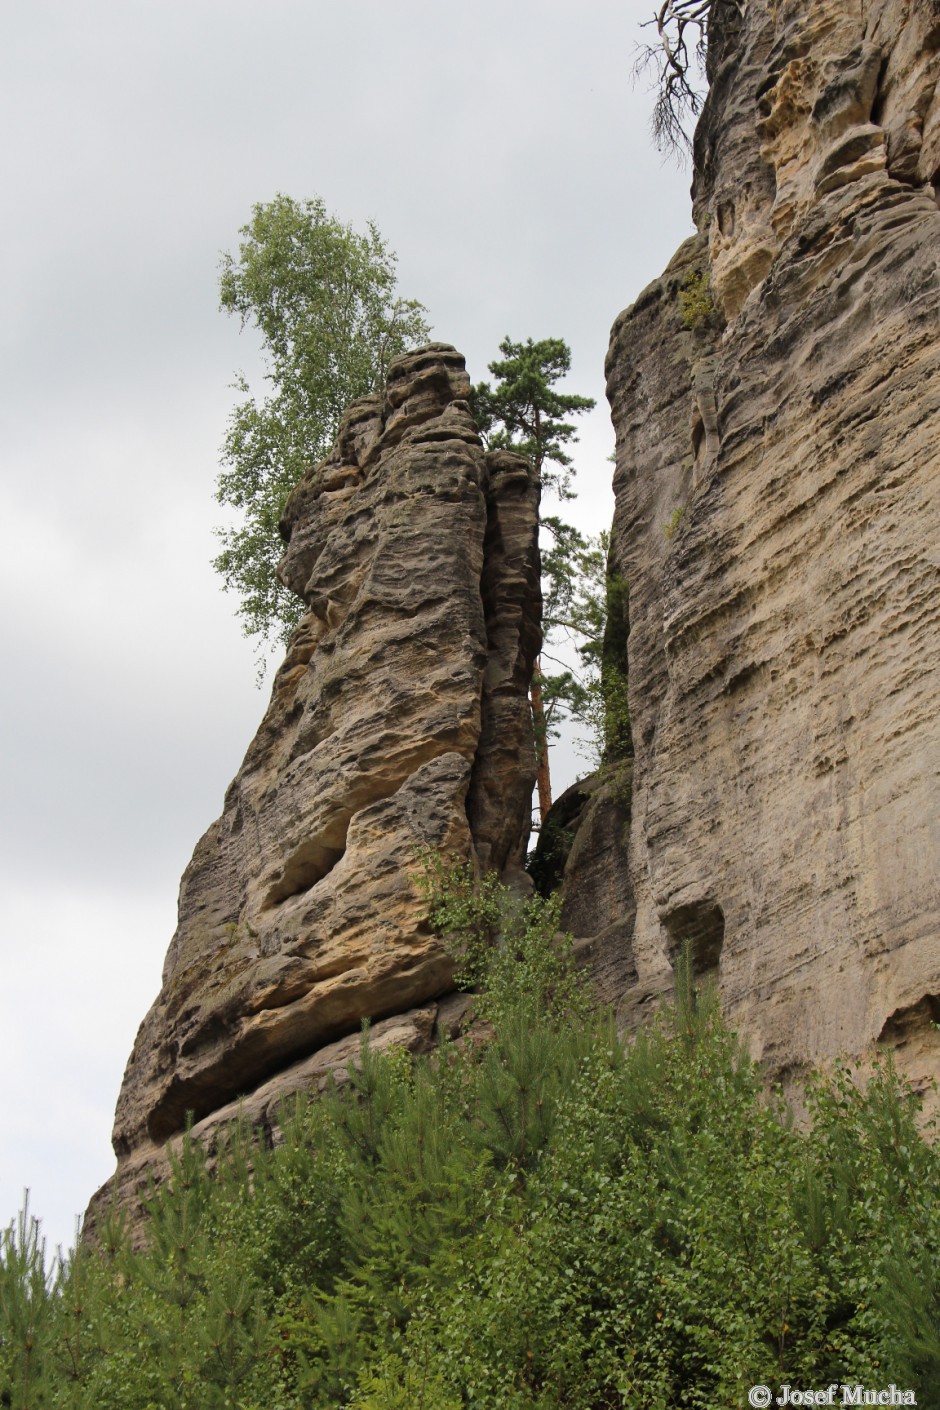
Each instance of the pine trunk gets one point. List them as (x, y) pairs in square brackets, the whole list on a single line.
[(544, 781)]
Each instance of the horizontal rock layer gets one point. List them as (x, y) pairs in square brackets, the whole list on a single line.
[(398, 723), (778, 523)]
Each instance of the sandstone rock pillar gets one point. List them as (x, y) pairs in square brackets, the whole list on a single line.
[(398, 723)]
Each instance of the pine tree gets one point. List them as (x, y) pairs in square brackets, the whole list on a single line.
[(525, 412), (25, 1307)]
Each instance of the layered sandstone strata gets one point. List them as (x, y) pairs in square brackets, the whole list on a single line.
[(778, 522), (399, 723)]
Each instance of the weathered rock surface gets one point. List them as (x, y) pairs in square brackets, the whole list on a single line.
[(415, 1031), (582, 848), (399, 722), (778, 522)]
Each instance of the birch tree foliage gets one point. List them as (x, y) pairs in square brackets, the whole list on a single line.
[(323, 298)]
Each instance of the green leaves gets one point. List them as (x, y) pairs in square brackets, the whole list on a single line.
[(557, 1217), (585, 604), (509, 948), (523, 411), (323, 299), (25, 1310)]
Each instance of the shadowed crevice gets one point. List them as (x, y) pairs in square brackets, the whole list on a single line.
[(701, 925)]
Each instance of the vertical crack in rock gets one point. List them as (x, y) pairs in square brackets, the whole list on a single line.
[(398, 723), (499, 804), (784, 651)]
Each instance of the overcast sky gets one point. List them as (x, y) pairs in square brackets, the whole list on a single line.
[(504, 154)]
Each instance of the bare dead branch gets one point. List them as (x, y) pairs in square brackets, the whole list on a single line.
[(677, 59)]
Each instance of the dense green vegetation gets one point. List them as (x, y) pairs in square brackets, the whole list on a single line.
[(552, 1218), (324, 299)]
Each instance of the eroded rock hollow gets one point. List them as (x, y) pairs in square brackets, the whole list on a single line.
[(399, 723)]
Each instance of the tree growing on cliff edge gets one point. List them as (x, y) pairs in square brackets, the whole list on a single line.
[(523, 411), (677, 58), (324, 299)]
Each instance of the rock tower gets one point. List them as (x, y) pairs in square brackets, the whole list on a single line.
[(399, 723)]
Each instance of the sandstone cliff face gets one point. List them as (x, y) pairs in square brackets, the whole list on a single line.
[(778, 522), (583, 848), (399, 722)]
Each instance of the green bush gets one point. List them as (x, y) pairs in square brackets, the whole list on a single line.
[(696, 304), (553, 1218), (671, 526)]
